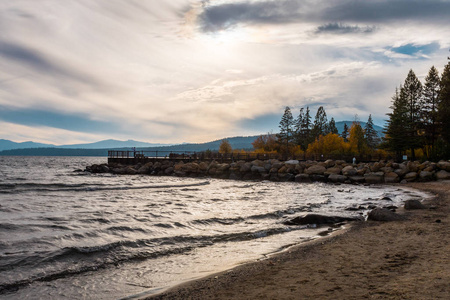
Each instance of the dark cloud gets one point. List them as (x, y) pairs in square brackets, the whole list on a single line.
[(36, 117), (41, 63), (337, 28), (218, 17)]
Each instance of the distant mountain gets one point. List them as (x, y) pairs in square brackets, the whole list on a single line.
[(106, 144), (340, 127), (109, 144), (8, 145)]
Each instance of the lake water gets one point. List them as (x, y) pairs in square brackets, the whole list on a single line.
[(76, 235)]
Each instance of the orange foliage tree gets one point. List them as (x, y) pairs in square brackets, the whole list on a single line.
[(329, 144)]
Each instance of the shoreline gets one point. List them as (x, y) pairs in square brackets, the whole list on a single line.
[(377, 260)]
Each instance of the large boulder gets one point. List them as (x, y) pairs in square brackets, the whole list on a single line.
[(414, 204), (333, 170), (411, 176), (319, 220), (336, 178), (383, 214), (444, 165), (426, 176), (374, 177), (329, 163), (302, 178), (442, 175), (349, 171), (257, 169), (292, 162), (391, 177), (316, 169)]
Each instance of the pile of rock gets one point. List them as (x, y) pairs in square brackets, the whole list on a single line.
[(335, 171)]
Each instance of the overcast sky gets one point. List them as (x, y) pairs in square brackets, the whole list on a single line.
[(194, 71)]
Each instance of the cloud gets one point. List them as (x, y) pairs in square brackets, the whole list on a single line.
[(338, 28), (226, 15)]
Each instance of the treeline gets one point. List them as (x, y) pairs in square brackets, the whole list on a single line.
[(301, 135), (418, 127), (420, 117)]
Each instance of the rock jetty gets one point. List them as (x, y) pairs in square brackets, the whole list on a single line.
[(334, 171)]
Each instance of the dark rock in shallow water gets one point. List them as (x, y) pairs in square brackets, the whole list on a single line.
[(383, 214), (414, 204), (319, 219)]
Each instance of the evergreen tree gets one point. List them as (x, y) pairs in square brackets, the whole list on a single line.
[(444, 107), (320, 123), (285, 136), (306, 130), (412, 92), (332, 127), (298, 127), (395, 137), (430, 103), (344, 133), (371, 134)]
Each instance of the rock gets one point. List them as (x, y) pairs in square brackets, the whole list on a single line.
[(349, 171), (426, 176), (319, 220), (374, 177), (357, 179), (169, 171), (413, 166), (302, 178), (317, 169), (442, 175), (245, 168), (283, 169), (383, 214), (337, 178), (391, 177), (411, 176), (319, 178), (329, 163), (334, 170), (203, 166), (402, 170), (444, 165), (292, 162), (260, 170), (414, 204)]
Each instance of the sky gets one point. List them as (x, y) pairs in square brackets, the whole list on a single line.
[(175, 71)]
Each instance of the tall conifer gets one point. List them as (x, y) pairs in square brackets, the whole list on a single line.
[(430, 103), (444, 107), (320, 123), (371, 134)]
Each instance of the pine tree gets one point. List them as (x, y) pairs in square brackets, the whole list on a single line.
[(332, 127), (371, 134), (298, 127), (444, 107), (285, 136), (395, 137), (344, 133), (306, 130), (430, 103), (320, 123), (412, 92)]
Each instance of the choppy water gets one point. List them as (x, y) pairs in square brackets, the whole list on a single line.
[(75, 235)]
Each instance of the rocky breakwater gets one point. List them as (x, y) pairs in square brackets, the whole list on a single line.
[(335, 171)]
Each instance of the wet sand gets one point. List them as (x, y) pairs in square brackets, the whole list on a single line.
[(372, 260)]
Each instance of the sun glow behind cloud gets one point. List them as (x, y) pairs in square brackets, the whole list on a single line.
[(185, 70)]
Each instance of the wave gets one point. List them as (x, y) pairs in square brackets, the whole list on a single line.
[(83, 187), (93, 258)]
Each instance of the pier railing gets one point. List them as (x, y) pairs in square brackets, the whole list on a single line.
[(134, 157)]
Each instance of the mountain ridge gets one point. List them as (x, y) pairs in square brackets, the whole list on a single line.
[(101, 148)]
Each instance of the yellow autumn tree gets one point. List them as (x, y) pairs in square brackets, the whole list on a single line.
[(329, 144), (358, 144), (225, 147)]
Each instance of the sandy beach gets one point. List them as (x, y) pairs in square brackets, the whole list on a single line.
[(407, 259)]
